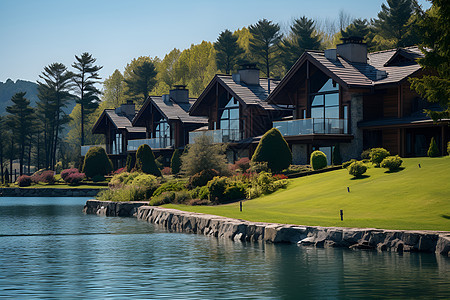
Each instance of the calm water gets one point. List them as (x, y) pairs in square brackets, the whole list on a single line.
[(50, 250)]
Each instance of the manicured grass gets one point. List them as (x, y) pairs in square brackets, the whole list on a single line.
[(414, 198)]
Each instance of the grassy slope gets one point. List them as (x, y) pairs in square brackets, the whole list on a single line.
[(414, 198)]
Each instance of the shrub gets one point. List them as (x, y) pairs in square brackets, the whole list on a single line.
[(204, 155), (175, 162), (357, 168), (265, 181), (145, 185), (131, 161), (216, 188), (433, 150), (58, 167), (242, 164), (337, 158), (280, 176), (96, 162), (392, 163), (145, 161), (169, 186), (348, 163), (273, 149), (377, 155), (47, 176), (234, 191), (98, 178), (318, 160), (202, 178), (24, 180), (118, 180), (448, 148), (159, 161), (67, 172), (121, 170), (74, 178), (258, 167), (366, 154), (164, 198), (166, 171)]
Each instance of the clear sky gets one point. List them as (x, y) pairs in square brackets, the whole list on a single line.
[(36, 33)]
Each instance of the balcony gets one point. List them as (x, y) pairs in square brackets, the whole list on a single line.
[(217, 136), (155, 143), (311, 126), (85, 149)]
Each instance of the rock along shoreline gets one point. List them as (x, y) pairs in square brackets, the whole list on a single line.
[(241, 230)]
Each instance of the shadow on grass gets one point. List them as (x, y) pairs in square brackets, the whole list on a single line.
[(395, 171), (360, 177), (446, 217)]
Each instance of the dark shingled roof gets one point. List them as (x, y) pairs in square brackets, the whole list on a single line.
[(120, 121)]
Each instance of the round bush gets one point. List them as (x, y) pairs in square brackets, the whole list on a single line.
[(145, 161), (274, 150), (96, 162), (377, 155), (357, 168), (216, 188), (433, 151), (24, 180), (234, 191), (169, 186), (67, 172), (202, 178), (346, 164), (318, 160), (74, 178), (392, 163), (146, 183)]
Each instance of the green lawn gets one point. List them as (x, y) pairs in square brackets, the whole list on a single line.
[(414, 198)]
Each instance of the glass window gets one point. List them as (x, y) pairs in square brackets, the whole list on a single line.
[(329, 86), (325, 103), (162, 134), (229, 120)]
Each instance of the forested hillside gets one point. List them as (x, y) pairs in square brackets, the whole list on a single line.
[(10, 88)]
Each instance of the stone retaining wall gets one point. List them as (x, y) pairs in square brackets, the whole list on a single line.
[(48, 192), (240, 230)]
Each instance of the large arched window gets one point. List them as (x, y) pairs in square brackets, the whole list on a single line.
[(229, 120)]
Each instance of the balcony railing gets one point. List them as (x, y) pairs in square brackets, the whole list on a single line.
[(85, 149), (311, 126), (217, 136), (154, 143)]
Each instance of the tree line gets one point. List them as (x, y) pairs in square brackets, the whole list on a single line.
[(47, 135)]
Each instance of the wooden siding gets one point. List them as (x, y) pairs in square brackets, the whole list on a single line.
[(391, 140)]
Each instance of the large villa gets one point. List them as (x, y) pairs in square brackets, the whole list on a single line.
[(344, 96)]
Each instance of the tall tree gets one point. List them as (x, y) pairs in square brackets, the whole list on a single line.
[(54, 95), (113, 89), (166, 77), (140, 78), (20, 120), (264, 42), (228, 51), (434, 30), (85, 78), (393, 21), (304, 37), (3, 145)]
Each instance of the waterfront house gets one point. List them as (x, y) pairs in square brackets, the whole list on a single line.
[(237, 111), (167, 122), (116, 126), (358, 100)]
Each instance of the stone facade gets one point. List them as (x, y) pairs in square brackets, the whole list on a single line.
[(355, 147), (299, 154)]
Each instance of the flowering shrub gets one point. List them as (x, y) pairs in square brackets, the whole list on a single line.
[(24, 180), (67, 172), (44, 176), (241, 165), (74, 178), (166, 171), (280, 176), (118, 171)]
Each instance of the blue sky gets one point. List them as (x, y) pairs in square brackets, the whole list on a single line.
[(34, 34)]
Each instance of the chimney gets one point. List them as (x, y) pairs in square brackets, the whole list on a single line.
[(331, 54), (248, 74), (127, 109), (179, 94), (353, 49)]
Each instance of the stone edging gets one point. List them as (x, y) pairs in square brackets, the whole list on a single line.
[(240, 230), (48, 192)]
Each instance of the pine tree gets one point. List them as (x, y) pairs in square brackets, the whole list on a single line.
[(20, 121), (434, 31), (304, 37), (264, 43), (274, 150), (141, 80), (175, 162), (85, 79), (433, 150), (228, 51), (358, 28)]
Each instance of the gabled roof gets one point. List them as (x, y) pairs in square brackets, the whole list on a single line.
[(246, 94), (119, 121), (171, 110), (397, 64)]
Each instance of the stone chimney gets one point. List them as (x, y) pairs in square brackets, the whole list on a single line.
[(127, 109), (353, 50), (248, 74), (179, 94)]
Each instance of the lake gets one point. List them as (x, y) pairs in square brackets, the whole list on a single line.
[(50, 250)]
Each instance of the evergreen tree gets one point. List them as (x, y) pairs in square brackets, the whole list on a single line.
[(175, 162), (264, 43), (54, 95), (140, 79), (20, 121), (96, 162), (3, 139), (145, 161), (131, 161), (434, 31), (358, 28), (113, 89), (433, 150), (228, 51), (304, 37), (274, 150), (393, 21), (85, 79)]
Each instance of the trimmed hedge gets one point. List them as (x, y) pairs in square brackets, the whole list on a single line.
[(175, 162), (274, 150), (318, 160), (96, 162), (357, 168), (145, 161), (392, 163)]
